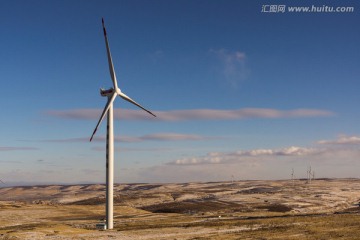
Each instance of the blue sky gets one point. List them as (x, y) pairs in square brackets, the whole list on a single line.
[(237, 91)]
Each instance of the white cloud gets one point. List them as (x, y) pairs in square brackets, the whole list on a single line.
[(193, 114), (234, 65), (258, 164), (134, 149), (240, 156), (157, 56), (158, 137), (149, 137), (173, 137), (2, 149), (342, 140)]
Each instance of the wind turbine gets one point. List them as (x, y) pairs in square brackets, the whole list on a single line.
[(312, 175), (309, 174), (111, 94)]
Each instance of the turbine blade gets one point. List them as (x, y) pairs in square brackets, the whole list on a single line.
[(106, 109), (111, 65), (125, 97)]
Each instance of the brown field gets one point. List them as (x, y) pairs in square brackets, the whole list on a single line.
[(324, 209)]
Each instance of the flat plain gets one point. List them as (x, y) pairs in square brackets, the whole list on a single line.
[(284, 209)]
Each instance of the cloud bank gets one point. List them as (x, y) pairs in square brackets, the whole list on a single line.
[(329, 160), (349, 147), (3, 149), (342, 140), (193, 114), (239, 156), (148, 137)]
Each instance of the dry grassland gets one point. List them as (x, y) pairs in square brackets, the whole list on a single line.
[(324, 209)]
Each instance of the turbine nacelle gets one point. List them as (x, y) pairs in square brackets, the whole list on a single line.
[(109, 92), (106, 92)]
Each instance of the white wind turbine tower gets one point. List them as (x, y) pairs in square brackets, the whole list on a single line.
[(292, 176), (111, 94), (309, 173), (313, 175)]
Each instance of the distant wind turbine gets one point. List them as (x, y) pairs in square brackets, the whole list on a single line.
[(111, 94), (310, 174)]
